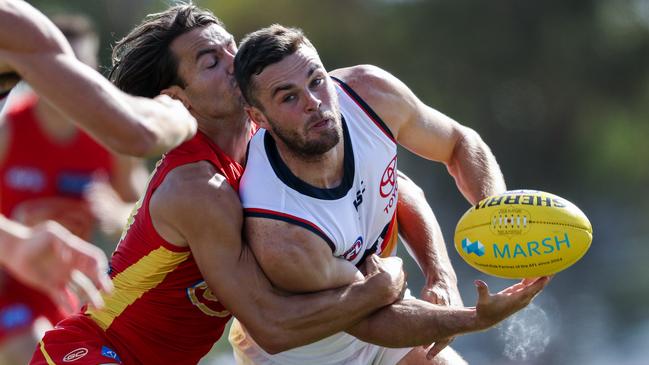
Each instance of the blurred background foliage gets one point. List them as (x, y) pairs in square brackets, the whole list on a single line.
[(560, 92)]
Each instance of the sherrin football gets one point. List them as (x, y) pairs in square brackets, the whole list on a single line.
[(523, 234)]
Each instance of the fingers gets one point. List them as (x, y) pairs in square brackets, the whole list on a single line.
[(82, 266), (537, 285), (483, 291), (437, 348), (85, 290)]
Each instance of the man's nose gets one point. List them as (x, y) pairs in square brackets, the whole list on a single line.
[(312, 102)]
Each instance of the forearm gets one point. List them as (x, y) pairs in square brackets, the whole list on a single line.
[(296, 320), (126, 124), (422, 234), (33, 47), (412, 322), (474, 168)]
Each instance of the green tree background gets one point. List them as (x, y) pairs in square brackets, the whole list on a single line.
[(558, 89)]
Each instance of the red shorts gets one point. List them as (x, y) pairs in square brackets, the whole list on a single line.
[(76, 339), (21, 305)]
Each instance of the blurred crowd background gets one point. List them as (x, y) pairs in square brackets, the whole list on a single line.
[(558, 89)]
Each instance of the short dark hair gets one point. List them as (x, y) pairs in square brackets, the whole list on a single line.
[(143, 63), (263, 48)]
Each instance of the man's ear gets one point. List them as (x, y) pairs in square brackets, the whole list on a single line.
[(178, 93), (257, 116)]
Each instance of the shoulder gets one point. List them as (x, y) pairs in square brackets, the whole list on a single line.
[(191, 198), (365, 79), (193, 183), (390, 98)]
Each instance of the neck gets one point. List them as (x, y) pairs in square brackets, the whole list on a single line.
[(324, 171), (230, 134), (54, 124)]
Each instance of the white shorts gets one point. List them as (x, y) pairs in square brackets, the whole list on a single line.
[(338, 349)]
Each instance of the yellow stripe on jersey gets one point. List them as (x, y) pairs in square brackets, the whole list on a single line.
[(137, 279), (391, 247), (45, 354)]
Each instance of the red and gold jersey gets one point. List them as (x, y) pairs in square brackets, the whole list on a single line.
[(161, 310)]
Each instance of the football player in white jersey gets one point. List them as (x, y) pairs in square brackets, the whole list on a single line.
[(309, 126)]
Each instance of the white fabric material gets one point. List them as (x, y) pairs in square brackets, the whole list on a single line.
[(353, 228)]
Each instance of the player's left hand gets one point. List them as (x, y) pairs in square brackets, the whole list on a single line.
[(444, 293)]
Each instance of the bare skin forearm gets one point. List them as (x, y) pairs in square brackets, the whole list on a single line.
[(474, 168), (421, 232), (413, 322), (297, 320), (39, 53)]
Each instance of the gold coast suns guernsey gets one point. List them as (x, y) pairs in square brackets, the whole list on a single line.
[(161, 310), (356, 218)]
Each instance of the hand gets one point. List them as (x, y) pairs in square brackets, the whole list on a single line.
[(52, 259), (441, 292), (492, 309), (392, 269), (185, 122), (107, 206)]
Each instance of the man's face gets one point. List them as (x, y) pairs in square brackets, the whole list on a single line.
[(205, 62), (298, 103)]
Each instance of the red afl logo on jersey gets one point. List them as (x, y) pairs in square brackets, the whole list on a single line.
[(389, 178), (353, 251)]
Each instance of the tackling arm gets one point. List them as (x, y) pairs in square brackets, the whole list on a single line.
[(210, 221), (33, 47)]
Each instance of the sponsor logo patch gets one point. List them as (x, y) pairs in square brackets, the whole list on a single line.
[(389, 178), (108, 352), (75, 355), (353, 251), (472, 247)]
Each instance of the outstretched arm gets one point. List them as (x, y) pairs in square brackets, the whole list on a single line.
[(34, 48), (427, 132), (412, 322)]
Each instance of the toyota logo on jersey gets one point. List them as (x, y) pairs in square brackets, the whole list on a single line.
[(389, 178), (353, 251)]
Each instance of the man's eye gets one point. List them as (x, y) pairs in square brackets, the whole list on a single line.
[(287, 98), (316, 82), (216, 62)]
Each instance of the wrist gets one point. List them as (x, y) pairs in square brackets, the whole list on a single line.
[(448, 279)]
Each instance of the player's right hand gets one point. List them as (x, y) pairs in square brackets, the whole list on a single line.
[(53, 260), (391, 269), (493, 308)]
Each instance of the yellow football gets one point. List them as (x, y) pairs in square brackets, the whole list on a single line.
[(523, 234)]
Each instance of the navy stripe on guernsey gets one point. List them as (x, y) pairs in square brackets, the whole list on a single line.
[(366, 108), (284, 173), (271, 214)]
